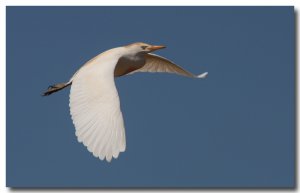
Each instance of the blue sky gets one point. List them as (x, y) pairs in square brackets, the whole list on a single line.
[(234, 129)]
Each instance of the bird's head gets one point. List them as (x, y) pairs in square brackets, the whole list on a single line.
[(139, 47)]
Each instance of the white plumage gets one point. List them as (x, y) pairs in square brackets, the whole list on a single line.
[(94, 100)]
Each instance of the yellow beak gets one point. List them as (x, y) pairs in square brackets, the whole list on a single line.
[(153, 48)]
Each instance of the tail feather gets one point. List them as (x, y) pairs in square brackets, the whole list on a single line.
[(54, 88)]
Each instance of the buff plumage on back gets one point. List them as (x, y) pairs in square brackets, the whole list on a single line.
[(96, 114)]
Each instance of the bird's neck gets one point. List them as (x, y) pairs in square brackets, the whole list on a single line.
[(106, 62)]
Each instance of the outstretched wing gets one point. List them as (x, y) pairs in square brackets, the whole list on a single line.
[(155, 63), (96, 114)]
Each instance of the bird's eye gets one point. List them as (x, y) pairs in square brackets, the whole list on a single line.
[(143, 47)]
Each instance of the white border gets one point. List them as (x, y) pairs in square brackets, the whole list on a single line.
[(149, 2), (5, 3)]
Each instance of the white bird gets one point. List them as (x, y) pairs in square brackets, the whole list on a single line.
[(94, 100)]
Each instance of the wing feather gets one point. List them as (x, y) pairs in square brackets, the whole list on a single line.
[(96, 114), (155, 63)]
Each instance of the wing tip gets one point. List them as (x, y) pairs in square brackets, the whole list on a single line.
[(101, 156), (203, 75)]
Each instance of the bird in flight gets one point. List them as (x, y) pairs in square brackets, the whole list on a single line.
[(94, 100)]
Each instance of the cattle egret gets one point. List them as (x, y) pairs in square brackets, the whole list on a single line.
[(94, 100)]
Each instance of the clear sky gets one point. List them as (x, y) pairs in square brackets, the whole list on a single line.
[(234, 129)]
